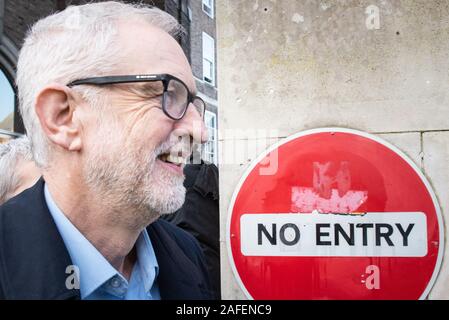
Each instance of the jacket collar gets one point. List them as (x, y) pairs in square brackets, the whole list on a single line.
[(33, 253), (179, 277)]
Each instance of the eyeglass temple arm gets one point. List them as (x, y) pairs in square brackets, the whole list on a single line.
[(112, 80)]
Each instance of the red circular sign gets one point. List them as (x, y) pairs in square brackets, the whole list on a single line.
[(343, 215)]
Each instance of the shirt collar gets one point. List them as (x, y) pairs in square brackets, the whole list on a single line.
[(149, 268), (94, 269)]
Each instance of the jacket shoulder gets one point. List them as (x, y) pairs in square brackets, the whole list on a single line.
[(183, 239), (184, 256), (33, 257)]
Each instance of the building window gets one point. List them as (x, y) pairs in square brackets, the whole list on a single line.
[(208, 59), (208, 7), (6, 107), (210, 147)]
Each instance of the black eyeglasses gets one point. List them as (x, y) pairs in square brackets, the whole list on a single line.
[(176, 97)]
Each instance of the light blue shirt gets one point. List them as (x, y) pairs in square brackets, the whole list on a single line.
[(98, 279)]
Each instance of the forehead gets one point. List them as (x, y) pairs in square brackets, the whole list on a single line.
[(149, 50)]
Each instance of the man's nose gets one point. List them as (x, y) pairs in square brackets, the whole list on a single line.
[(192, 124)]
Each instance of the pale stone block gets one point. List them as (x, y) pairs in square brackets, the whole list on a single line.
[(244, 152), (409, 143), (329, 69), (240, 154), (229, 286), (288, 66), (436, 166)]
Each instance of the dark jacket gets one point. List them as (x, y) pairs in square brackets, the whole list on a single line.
[(33, 257), (199, 214)]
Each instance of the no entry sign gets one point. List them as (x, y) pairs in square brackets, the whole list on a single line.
[(345, 216)]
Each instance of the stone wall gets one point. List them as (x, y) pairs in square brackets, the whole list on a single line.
[(379, 66)]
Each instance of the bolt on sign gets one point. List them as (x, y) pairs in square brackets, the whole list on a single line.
[(345, 216)]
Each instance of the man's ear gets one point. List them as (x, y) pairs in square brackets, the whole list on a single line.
[(55, 108)]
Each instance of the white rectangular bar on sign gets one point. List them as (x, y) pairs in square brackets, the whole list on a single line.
[(375, 234)]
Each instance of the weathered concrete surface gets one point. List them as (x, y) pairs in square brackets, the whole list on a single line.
[(245, 152), (292, 65), (327, 68), (409, 143), (436, 167), (229, 286), (240, 154)]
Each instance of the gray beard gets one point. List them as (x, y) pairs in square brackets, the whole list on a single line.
[(133, 191)]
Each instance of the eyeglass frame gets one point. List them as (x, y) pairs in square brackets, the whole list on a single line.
[(165, 78)]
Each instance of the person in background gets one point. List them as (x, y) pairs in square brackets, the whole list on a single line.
[(199, 214), (17, 168)]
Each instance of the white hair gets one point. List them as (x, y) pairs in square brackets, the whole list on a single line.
[(12, 153), (76, 43)]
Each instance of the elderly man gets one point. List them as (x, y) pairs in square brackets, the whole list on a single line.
[(108, 100), (18, 170)]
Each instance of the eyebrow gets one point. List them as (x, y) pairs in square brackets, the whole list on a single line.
[(149, 87)]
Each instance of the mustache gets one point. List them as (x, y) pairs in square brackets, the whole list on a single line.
[(177, 149)]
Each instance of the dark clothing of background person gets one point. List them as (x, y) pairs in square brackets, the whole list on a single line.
[(200, 214), (34, 258)]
